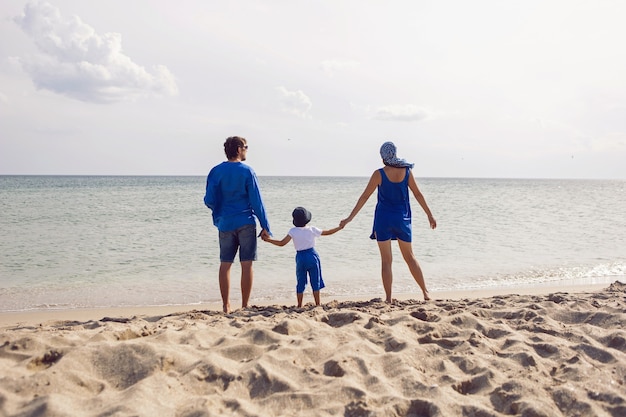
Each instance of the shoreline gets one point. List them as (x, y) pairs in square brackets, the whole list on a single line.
[(40, 317)]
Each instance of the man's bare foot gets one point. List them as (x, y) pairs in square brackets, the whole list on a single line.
[(226, 308)]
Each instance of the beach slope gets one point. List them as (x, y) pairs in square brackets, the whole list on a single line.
[(557, 354)]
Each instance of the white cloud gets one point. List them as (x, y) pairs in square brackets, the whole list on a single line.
[(550, 84), (330, 67), (406, 113), (75, 61), (295, 102), (612, 142)]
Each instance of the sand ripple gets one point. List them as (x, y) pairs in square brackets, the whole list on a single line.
[(515, 355)]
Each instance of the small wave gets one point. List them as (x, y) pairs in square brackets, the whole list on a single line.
[(574, 275)]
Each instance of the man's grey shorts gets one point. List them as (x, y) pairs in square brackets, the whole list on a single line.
[(243, 239)]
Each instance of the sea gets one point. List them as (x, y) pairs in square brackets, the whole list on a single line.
[(74, 242)]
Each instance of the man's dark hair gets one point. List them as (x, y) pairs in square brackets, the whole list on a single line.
[(232, 145)]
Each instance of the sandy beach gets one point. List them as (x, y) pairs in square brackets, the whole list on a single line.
[(547, 353)]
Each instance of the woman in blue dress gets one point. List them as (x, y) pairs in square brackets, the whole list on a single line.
[(392, 218)]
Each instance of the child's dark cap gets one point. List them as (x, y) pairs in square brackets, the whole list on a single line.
[(301, 216)]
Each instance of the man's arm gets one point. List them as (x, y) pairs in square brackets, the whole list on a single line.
[(209, 195), (257, 202)]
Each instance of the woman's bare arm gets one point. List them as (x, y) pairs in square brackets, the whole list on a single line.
[(373, 183), (421, 200)]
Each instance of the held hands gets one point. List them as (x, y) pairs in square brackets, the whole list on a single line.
[(264, 235), (343, 223), (338, 228)]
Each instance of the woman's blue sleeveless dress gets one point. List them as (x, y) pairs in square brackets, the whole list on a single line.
[(392, 218)]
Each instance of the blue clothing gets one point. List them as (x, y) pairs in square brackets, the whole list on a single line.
[(308, 261), (232, 193), (392, 218), (243, 239)]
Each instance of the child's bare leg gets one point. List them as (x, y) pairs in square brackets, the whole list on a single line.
[(316, 296), (300, 296)]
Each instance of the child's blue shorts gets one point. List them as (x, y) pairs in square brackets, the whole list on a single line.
[(308, 262)]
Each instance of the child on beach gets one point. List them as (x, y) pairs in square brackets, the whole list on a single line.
[(307, 258)]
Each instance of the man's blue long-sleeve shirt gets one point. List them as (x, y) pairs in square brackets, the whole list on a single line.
[(232, 193)]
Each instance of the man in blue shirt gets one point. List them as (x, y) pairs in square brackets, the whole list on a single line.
[(232, 193)]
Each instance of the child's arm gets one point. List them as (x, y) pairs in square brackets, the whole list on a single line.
[(283, 242), (331, 231)]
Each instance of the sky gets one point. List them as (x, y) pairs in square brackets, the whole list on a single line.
[(484, 88)]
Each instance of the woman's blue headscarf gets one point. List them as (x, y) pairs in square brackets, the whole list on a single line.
[(388, 153)]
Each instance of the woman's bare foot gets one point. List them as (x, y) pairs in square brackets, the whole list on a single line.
[(426, 296), (226, 308)]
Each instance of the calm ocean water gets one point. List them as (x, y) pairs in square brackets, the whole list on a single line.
[(75, 242)]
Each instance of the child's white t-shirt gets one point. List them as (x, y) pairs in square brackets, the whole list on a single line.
[(304, 237)]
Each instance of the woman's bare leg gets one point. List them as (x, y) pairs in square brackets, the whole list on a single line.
[(386, 259), (407, 253)]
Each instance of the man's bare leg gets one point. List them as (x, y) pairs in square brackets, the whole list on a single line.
[(224, 276), (247, 276)]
